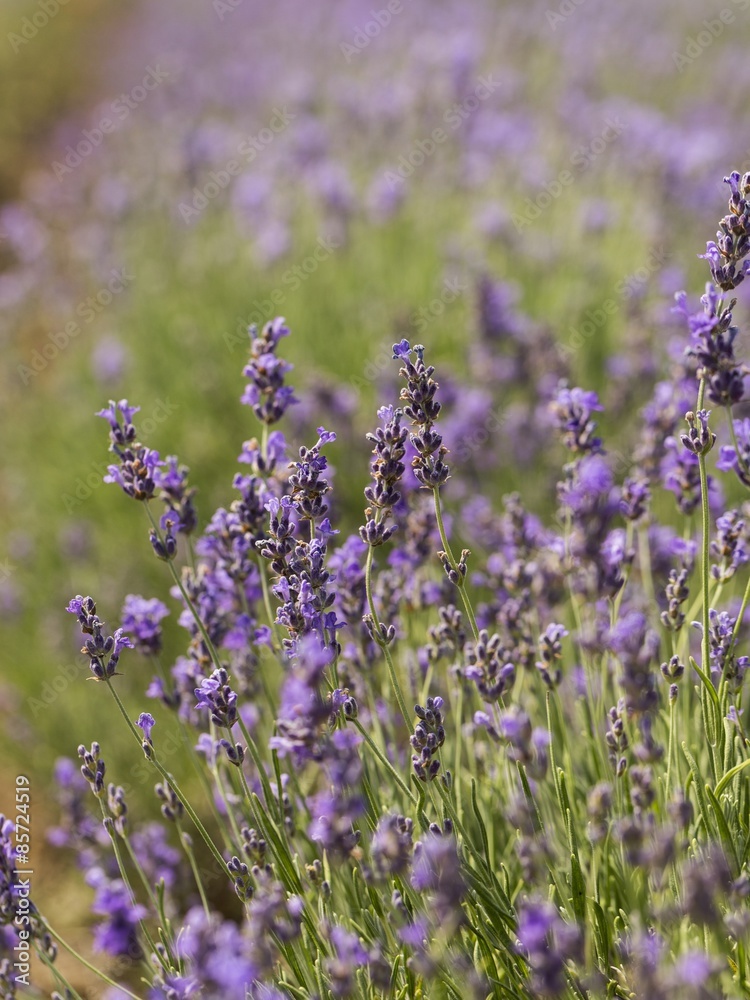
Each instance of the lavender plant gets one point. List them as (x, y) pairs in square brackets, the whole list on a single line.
[(416, 782)]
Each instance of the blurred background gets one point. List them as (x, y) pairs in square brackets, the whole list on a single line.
[(521, 186)]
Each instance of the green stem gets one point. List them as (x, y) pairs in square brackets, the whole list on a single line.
[(124, 875), (141, 874), (670, 750), (171, 781), (67, 989), (384, 760), (187, 845), (255, 754), (705, 550), (88, 965), (186, 598), (386, 651), (277, 644), (453, 563)]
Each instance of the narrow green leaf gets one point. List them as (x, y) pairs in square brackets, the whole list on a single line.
[(727, 838), (700, 792)]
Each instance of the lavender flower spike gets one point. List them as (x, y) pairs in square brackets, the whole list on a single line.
[(422, 409), (136, 474), (103, 650)]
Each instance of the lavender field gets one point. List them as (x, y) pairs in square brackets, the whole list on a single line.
[(375, 569)]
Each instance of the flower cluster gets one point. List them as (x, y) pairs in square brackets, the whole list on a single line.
[(427, 739), (387, 470), (103, 650), (587, 834), (138, 466), (266, 392), (726, 254), (421, 407)]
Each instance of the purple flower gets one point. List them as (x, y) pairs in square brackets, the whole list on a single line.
[(350, 956), (549, 943), (215, 694), (387, 468), (422, 408), (591, 480), (428, 737), (725, 254), (486, 666), (571, 411), (119, 416), (266, 392), (392, 846), (737, 460), (712, 345), (103, 650), (146, 722), (437, 871), (141, 617), (693, 969), (118, 932), (218, 956), (158, 858), (729, 546), (139, 465), (177, 495), (332, 825)]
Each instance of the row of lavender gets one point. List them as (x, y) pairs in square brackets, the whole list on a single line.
[(200, 131), (574, 819)]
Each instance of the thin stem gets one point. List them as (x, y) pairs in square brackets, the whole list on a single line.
[(384, 760), (196, 764), (129, 887), (670, 750), (386, 652), (255, 754), (176, 788), (705, 550), (187, 845), (58, 977), (186, 598), (88, 965), (644, 557), (453, 563), (277, 644)]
